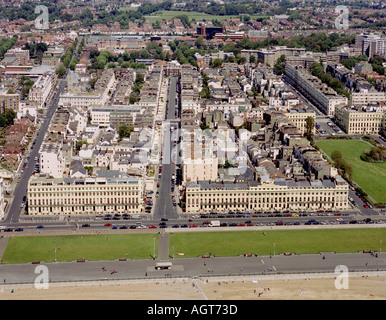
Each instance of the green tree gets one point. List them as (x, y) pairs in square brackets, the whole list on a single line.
[(310, 125), (10, 115), (279, 67), (216, 63), (125, 131), (61, 70)]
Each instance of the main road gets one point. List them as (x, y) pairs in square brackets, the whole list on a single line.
[(20, 190), (164, 207)]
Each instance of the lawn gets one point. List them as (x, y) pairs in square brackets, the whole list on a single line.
[(198, 16), (371, 177), (263, 242), (89, 247)]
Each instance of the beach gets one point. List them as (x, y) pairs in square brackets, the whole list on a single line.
[(369, 286)]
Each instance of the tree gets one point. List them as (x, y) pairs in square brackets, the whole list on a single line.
[(10, 115), (61, 70), (125, 131), (200, 42), (317, 70), (216, 63), (310, 125), (79, 144), (336, 154), (279, 66)]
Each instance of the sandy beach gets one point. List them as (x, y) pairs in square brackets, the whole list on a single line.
[(371, 286)]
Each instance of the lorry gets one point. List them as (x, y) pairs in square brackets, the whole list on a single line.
[(214, 223)]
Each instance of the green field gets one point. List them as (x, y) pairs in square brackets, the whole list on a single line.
[(371, 177), (263, 242), (89, 247), (198, 16)]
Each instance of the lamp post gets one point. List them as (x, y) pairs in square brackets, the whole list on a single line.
[(154, 250), (274, 244)]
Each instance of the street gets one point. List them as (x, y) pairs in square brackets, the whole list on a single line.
[(164, 207), (20, 190)]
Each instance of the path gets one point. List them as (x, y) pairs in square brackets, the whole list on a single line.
[(163, 246)]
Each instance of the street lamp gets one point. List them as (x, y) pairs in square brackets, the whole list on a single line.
[(154, 250), (274, 244)]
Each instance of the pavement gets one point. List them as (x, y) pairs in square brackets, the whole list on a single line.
[(195, 267)]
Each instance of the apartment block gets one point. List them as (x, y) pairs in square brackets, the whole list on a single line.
[(115, 115), (367, 98), (360, 120), (199, 161), (270, 56), (314, 90), (327, 194), (9, 101), (108, 194), (298, 116), (79, 98), (42, 88)]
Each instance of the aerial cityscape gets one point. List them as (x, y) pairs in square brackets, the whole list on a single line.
[(200, 150)]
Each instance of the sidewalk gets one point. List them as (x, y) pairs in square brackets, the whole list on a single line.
[(163, 245)]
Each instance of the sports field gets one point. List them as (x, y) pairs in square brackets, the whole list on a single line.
[(265, 242), (371, 177), (88, 247), (198, 16)]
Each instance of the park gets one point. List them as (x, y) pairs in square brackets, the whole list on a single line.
[(371, 177), (104, 247)]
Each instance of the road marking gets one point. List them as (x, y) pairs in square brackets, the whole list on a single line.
[(262, 261), (273, 267)]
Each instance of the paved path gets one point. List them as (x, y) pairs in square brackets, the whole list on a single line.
[(278, 265), (163, 246)]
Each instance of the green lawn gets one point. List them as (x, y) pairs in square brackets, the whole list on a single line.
[(371, 177), (198, 16), (262, 243), (89, 247)]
